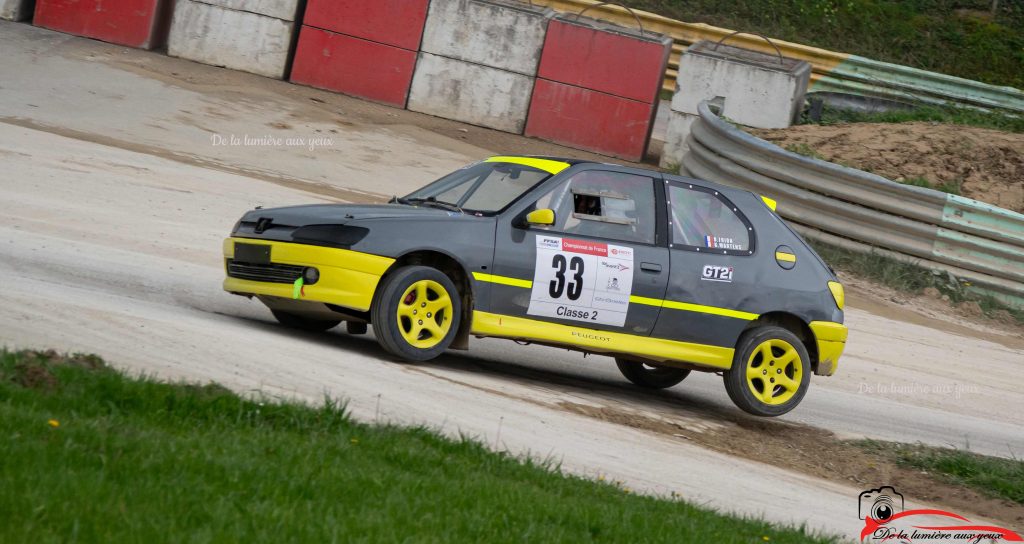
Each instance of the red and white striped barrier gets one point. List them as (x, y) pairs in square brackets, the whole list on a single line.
[(135, 23), (365, 48), (598, 86)]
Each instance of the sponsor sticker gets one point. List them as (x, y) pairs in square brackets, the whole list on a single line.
[(582, 280)]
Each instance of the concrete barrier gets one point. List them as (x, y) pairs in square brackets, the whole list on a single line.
[(242, 35), (591, 120), (16, 10), (752, 88), (677, 134), (135, 23), (365, 48), (478, 61), (507, 35), (759, 90), (598, 86), (398, 23), (471, 93), (353, 66)]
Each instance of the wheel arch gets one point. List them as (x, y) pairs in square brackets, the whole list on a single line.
[(454, 269), (794, 324)]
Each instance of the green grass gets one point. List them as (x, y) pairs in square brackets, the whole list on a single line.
[(92, 455), (924, 113), (957, 37), (952, 187), (908, 277), (992, 476), (805, 150)]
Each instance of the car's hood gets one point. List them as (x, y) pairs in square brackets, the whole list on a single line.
[(339, 214)]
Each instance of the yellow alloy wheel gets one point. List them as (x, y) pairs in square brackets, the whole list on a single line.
[(774, 372), (425, 314)]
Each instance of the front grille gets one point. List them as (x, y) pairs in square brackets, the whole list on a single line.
[(272, 273)]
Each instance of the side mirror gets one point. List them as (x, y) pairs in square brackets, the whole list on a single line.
[(541, 217)]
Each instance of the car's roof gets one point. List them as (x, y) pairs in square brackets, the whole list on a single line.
[(574, 162)]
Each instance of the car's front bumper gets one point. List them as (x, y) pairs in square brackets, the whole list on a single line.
[(347, 278), (831, 340)]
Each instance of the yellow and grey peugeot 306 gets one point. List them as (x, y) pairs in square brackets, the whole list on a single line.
[(665, 273)]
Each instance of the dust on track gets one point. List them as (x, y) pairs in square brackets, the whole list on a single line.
[(322, 189)]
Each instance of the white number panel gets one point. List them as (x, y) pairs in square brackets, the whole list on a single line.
[(582, 281)]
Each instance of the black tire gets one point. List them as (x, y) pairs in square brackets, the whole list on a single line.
[(301, 323), (651, 376), (391, 329), (355, 327), (788, 380)]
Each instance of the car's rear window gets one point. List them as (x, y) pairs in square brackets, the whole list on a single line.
[(702, 218)]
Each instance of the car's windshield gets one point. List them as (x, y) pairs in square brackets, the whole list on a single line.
[(485, 187)]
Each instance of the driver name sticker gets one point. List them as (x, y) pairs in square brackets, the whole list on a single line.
[(721, 242), (582, 281)]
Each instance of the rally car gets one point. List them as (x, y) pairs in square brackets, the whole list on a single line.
[(665, 273)]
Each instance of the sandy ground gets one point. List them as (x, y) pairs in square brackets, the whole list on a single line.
[(987, 165), (113, 204)]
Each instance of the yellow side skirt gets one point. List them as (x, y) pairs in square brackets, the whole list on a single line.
[(655, 349)]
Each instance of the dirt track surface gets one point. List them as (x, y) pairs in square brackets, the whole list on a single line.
[(112, 211), (988, 165)]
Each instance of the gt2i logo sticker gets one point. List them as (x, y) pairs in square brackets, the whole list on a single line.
[(582, 281), (886, 520), (717, 273)]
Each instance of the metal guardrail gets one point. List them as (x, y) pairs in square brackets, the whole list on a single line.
[(840, 72), (974, 241)]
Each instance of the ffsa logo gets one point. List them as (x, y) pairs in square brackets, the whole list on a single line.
[(717, 273), (554, 243)]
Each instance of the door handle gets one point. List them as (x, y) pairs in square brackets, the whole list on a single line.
[(651, 267)]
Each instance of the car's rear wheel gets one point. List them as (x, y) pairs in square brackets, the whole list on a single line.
[(304, 323), (651, 376), (417, 314), (770, 373)]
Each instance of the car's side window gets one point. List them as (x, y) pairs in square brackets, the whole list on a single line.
[(603, 204), (703, 218)]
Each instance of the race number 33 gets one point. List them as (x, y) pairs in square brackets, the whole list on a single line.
[(582, 281)]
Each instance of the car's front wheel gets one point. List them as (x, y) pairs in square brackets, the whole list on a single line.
[(651, 376), (770, 372), (417, 313), (304, 323)]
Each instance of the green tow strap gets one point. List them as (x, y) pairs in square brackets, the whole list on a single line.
[(297, 288)]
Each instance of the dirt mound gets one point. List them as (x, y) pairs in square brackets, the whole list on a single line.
[(986, 165)]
